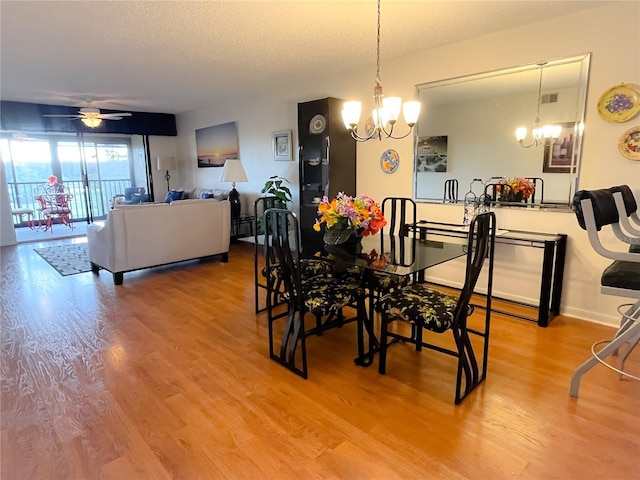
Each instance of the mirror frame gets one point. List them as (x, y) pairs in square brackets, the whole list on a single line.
[(583, 62)]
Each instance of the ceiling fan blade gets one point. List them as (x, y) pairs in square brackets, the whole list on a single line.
[(111, 118), (106, 116), (62, 116)]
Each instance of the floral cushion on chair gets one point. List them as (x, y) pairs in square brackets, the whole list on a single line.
[(309, 267), (326, 295), (420, 305), (384, 282)]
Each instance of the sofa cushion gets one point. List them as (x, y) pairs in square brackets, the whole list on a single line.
[(192, 200), (218, 194), (173, 195)]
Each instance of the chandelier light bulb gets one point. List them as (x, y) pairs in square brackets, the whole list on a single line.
[(411, 112), (351, 114), (392, 106)]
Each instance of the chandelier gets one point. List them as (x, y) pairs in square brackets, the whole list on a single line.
[(385, 111), (543, 135)]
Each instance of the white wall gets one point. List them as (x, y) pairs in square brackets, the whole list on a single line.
[(614, 60)]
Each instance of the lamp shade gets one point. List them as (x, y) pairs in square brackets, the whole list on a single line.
[(165, 162), (233, 172)]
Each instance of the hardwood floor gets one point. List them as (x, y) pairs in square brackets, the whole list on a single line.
[(168, 376)]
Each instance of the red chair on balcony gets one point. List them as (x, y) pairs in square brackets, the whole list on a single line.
[(54, 203)]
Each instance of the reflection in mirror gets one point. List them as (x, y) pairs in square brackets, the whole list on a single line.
[(467, 128)]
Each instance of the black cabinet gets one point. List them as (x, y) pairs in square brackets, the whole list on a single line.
[(327, 160)]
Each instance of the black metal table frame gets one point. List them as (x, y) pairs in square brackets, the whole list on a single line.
[(554, 251)]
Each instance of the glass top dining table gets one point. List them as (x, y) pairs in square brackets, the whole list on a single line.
[(383, 253), (390, 254)]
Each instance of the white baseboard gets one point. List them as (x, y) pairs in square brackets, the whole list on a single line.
[(612, 320)]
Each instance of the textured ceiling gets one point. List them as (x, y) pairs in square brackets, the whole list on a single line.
[(177, 56)]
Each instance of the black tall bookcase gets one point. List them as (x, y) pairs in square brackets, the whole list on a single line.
[(327, 161)]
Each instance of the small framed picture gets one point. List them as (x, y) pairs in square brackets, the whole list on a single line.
[(282, 145), (559, 157)]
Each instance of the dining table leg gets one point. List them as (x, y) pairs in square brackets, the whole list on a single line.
[(366, 329)]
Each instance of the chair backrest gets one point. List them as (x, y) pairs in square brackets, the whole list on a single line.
[(480, 246), (538, 192), (260, 206), (603, 209), (400, 214), (491, 192), (627, 208), (450, 191), (129, 192), (595, 209), (281, 243), (630, 204)]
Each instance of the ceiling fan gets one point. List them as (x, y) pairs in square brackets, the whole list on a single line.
[(92, 117)]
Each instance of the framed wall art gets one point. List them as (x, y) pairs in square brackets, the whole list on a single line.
[(558, 157), (432, 154), (282, 145), (216, 144)]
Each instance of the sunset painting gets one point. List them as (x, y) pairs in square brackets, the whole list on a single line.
[(216, 144)]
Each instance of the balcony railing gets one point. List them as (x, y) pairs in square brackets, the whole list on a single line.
[(21, 195)]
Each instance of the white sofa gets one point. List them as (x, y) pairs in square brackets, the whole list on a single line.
[(146, 235)]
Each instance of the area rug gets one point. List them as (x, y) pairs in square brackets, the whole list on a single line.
[(67, 259)]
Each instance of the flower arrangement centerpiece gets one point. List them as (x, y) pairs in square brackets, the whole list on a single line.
[(346, 216), (514, 189)]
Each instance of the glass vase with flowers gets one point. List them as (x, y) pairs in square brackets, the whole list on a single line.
[(346, 217), (514, 189)]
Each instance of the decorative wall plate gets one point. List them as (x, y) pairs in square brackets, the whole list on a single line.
[(619, 103), (317, 124), (389, 161), (629, 144)]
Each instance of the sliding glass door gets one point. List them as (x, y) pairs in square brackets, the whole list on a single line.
[(92, 168)]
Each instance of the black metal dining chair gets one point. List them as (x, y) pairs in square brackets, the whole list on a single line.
[(538, 190), (272, 281), (400, 214), (428, 309), (323, 296), (261, 205), (450, 191)]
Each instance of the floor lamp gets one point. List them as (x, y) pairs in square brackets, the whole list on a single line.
[(234, 172), (166, 163)]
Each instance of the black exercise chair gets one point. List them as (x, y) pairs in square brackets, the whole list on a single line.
[(594, 210)]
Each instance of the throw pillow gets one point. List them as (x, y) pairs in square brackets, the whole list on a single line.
[(173, 195), (205, 195)]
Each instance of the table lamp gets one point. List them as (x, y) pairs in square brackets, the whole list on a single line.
[(166, 163), (234, 172)]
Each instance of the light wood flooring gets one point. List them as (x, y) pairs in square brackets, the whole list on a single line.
[(168, 377)]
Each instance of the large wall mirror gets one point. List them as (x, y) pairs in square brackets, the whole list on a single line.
[(466, 131)]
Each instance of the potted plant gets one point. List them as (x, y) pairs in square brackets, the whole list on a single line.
[(274, 187)]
